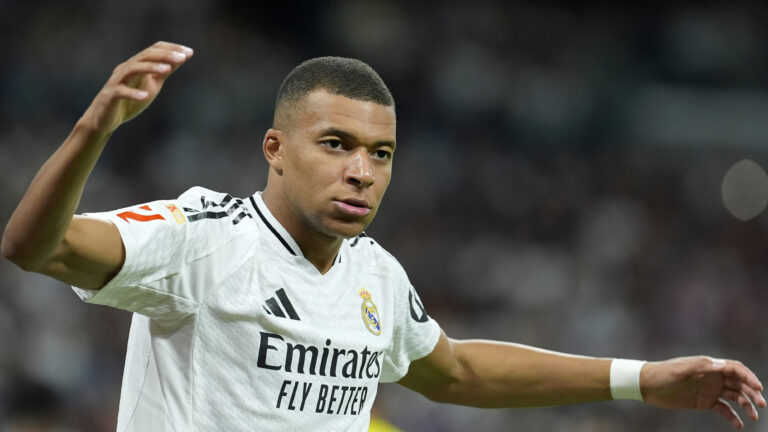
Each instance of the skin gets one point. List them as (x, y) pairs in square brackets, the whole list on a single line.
[(333, 151), (43, 235), (329, 151)]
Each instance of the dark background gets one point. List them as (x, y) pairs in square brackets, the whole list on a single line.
[(557, 179)]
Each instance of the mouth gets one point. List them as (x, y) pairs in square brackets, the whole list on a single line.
[(353, 207)]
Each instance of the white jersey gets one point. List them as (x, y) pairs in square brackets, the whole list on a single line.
[(234, 330)]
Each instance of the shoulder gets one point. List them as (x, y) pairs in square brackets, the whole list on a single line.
[(217, 223), (195, 193), (199, 203), (198, 198)]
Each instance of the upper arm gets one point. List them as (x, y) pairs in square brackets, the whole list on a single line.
[(437, 373), (90, 254)]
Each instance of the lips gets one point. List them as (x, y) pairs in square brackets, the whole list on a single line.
[(355, 202), (353, 207)]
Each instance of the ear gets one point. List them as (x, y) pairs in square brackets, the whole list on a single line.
[(273, 149)]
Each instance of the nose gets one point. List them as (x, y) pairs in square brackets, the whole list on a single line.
[(359, 171)]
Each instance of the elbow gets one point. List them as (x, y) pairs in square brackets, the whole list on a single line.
[(462, 386), (460, 393), (13, 252), (439, 396), (8, 248), (449, 389), (448, 392)]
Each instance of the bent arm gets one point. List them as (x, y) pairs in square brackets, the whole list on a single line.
[(43, 235)]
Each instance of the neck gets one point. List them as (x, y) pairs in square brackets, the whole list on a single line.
[(321, 255), (318, 248)]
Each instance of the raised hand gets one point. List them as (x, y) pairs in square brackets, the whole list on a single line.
[(134, 84), (703, 383)]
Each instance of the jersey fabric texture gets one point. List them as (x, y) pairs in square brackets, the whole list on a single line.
[(234, 330)]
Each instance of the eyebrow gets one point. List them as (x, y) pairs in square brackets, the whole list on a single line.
[(352, 137)]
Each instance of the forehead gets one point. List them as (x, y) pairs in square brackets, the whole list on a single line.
[(368, 121)]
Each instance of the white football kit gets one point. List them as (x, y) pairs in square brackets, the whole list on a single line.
[(234, 330)]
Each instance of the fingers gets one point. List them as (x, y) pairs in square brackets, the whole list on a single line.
[(726, 411), (168, 56), (166, 52), (169, 46), (743, 400), (742, 388), (735, 369), (147, 70), (161, 58), (125, 92), (133, 85), (160, 55), (129, 70), (738, 377)]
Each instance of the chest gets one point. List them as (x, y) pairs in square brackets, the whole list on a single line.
[(277, 342), (294, 320)]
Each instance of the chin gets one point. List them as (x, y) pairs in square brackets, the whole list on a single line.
[(345, 229)]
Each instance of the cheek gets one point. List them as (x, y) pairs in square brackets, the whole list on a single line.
[(311, 179), (385, 176), (301, 169)]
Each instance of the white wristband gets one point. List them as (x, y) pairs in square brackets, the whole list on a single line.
[(625, 379)]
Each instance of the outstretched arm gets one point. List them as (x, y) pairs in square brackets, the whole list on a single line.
[(43, 235), (495, 374)]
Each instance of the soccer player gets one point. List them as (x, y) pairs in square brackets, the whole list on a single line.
[(276, 312)]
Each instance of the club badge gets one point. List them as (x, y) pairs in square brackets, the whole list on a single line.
[(370, 313)]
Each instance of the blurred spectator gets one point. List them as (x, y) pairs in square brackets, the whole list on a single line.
[(32, 407)]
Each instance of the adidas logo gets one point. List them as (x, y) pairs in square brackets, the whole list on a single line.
[(273, 307)]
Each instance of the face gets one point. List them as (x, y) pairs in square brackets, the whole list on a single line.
[(331, 165)]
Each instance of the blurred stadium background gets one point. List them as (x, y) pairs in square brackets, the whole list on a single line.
[(557, 179)]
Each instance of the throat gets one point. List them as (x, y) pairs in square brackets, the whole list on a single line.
[(323, 258), (320, 249)]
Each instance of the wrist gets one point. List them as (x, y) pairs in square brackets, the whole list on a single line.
[(89, 130), (625, 379)]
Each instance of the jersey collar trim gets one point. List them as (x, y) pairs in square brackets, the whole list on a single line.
[(274, 226)]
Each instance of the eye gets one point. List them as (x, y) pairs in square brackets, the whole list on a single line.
[(383, 154), (332, 144)]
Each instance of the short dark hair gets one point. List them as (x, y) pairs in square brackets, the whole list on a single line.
[(341, 76)]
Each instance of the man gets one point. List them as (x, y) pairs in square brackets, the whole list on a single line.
[(276, 312)]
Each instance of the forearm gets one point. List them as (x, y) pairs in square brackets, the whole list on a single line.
[(496, 374), (42, 234), (38, 225)]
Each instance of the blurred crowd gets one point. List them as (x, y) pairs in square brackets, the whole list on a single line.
[(556, 183)]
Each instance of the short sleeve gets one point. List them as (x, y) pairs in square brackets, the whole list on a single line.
[(414, 337), (170, 247)]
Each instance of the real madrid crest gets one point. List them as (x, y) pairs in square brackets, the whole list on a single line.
[(370, 313)]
